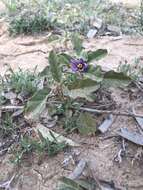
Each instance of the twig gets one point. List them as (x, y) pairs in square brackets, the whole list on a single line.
[(111, 112), (138, 86), (7, 185), (93, 175), (11, 108), (118, 157), (24, 53), (2, 152), (133, 44), (139, 122), (29, 52)]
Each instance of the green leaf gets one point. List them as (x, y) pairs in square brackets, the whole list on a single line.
[(64, 59), (115, 79), (88, 185), (94, 73), (44, 72), (82, 89), (55, 66), (52, 38), (69, 184), (97, 55), (41, 136), (77, 43), (84, 55), (36, 104), (86, 124), (66, 56)]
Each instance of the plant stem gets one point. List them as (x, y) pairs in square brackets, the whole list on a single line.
[(111, 112)]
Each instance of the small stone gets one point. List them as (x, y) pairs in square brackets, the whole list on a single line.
[(114, 30), (97, 23), (9, 95), (92, 33)]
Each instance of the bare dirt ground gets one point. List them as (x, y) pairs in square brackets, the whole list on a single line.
[(28, 52)]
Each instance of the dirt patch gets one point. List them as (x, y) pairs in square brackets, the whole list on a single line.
[(16, 55), (98, 150), (2, 7)]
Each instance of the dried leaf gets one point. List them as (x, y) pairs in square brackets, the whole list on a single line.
[(46, 133), (136, 138), (139, 120)]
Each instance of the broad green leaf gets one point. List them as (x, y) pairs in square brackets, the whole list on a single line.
[(86, 124), (36, 104), (44, 72), (115, 79), (96, 55), (55, 66), (84, 55), (66, 56), (81, 84), (64, 59), (69, 184), (77, 43), (88, 185), (94, 73), (52, 38), (82, 89)]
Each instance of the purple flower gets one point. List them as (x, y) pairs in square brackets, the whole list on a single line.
[(78, 65)]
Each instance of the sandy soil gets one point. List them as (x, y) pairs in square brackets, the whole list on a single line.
[(28, 52), (17, 52)]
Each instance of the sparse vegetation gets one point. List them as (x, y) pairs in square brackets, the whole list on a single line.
[(134, 70), (20, 81), (38, 16), (28, 145), (73, 97)]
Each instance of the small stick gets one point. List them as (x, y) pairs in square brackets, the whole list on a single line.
[(24, 53), (5, 108), (133, 44), (111, 112)]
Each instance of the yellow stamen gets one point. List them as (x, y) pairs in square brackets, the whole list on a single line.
[(80, 66)]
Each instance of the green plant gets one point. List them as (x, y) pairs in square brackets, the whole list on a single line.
[(134, 70), (74, 78), (10, 5), (8, 127), (141, 14), (21, 81), (68, 15), (31, 21), (43, 146)]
